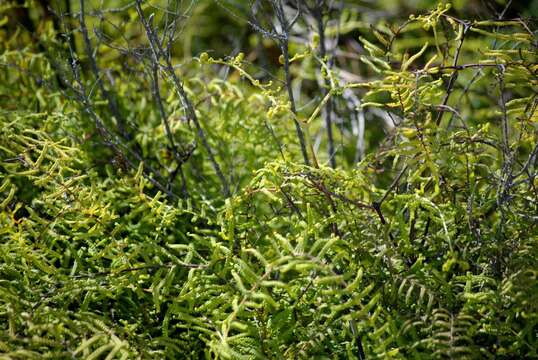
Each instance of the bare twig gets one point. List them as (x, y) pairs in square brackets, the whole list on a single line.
[(109, 138), (178, 157), (111, 99), (452, 80), (393, 185), (282, 38), (317, 13), (178, 85)]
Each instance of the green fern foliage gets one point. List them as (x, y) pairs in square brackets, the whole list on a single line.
[(170, 214)]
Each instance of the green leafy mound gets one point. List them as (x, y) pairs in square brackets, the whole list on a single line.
[(426, 248), (297, 264)]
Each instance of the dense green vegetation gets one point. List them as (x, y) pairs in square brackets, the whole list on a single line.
[(268, 180)]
